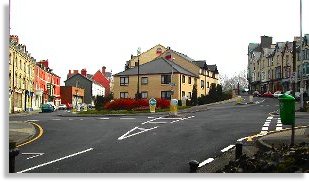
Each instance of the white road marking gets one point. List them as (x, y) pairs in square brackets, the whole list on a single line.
[(266, 124), (127, 118), (47, 163), (70, 119), (34, 155), (171, 118), (81, 119), (151, 120), (151, 117), (268, 120), (206, 162), (265, 129), (56, 119), (104, 118), (175, 121), (127, 136), (270, 117), (279, 125), (159, 122), (278, 128), (227, 148), (241, 139), (34, 120)]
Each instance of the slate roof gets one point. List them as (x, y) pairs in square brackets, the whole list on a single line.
[(202, 64), (213, 68), (157, 66), (253, 47)]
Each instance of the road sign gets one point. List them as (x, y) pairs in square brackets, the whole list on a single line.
[(152, 102)]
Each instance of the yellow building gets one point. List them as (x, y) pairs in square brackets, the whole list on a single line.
[(21, 76), (168, 75)]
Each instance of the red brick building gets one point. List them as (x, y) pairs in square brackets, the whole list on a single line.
[(71, 95), (46, 85)]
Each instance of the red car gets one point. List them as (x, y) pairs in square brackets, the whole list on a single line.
[(268, 94)]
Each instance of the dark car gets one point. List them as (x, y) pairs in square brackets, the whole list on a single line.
[(47, 108)]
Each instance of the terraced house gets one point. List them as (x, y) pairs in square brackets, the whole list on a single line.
[(21, 74), (164, 73), (31, 83), (270, 66)]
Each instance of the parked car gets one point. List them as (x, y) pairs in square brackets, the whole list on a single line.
[(47, 108), (62, 107), (277, 94), (268, 94), (52, 104), (256, 94)]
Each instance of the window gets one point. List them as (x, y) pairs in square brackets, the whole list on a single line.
[(202, 83), (124, 95), (189, 95), (183, 79), (183, 94), (144, 80), (189, 80), (207, 84), (144, 95), (165, 79), (124, 81), (166, 94), (278, 72), (136, 63)]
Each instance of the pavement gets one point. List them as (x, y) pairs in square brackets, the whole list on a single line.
[(21, 132)]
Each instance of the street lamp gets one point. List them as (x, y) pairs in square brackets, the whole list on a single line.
[(138, 54), (301, 61)]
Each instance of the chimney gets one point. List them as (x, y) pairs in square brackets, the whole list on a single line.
[(75, 72), (131, 56), (84, 72), (103, 70), (159, 51), (266, 41), (69, 74)]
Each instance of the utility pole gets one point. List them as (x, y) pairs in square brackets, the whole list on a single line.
[(301, 61), (138, 54)]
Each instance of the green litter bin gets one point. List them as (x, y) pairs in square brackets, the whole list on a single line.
[(287, 109)]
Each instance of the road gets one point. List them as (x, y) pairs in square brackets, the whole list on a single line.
[(141, 144)]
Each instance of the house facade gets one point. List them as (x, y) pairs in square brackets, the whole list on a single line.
[(270, 66), (46, 85), (72, 95), (21, 76), (169, 75)]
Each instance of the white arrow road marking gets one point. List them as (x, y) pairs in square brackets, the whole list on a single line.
[(47, 163), (34, 155), (126, 135)]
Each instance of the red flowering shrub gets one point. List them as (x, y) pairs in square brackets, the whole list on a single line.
[(132, 104)]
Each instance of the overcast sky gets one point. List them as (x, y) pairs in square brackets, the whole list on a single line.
[(76, 34)]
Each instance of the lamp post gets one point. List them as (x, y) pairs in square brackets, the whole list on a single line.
[(138, 54), (301, 60)]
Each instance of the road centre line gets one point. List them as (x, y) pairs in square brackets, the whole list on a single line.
[(56, 119), (127, 118), (227, 148), (104, 118), (206, 162), (33, 120), (175, 121), (62, 158), (159, 122)]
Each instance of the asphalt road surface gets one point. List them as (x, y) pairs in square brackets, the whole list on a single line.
[(141, 144)]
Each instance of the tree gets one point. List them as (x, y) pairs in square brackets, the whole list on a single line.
[(194, 95), (230, 83), (213, 93)]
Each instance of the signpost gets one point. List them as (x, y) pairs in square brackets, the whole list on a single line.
[(152, 105)]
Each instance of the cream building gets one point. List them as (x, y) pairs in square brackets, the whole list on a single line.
[(21, 75), (164, 73)]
